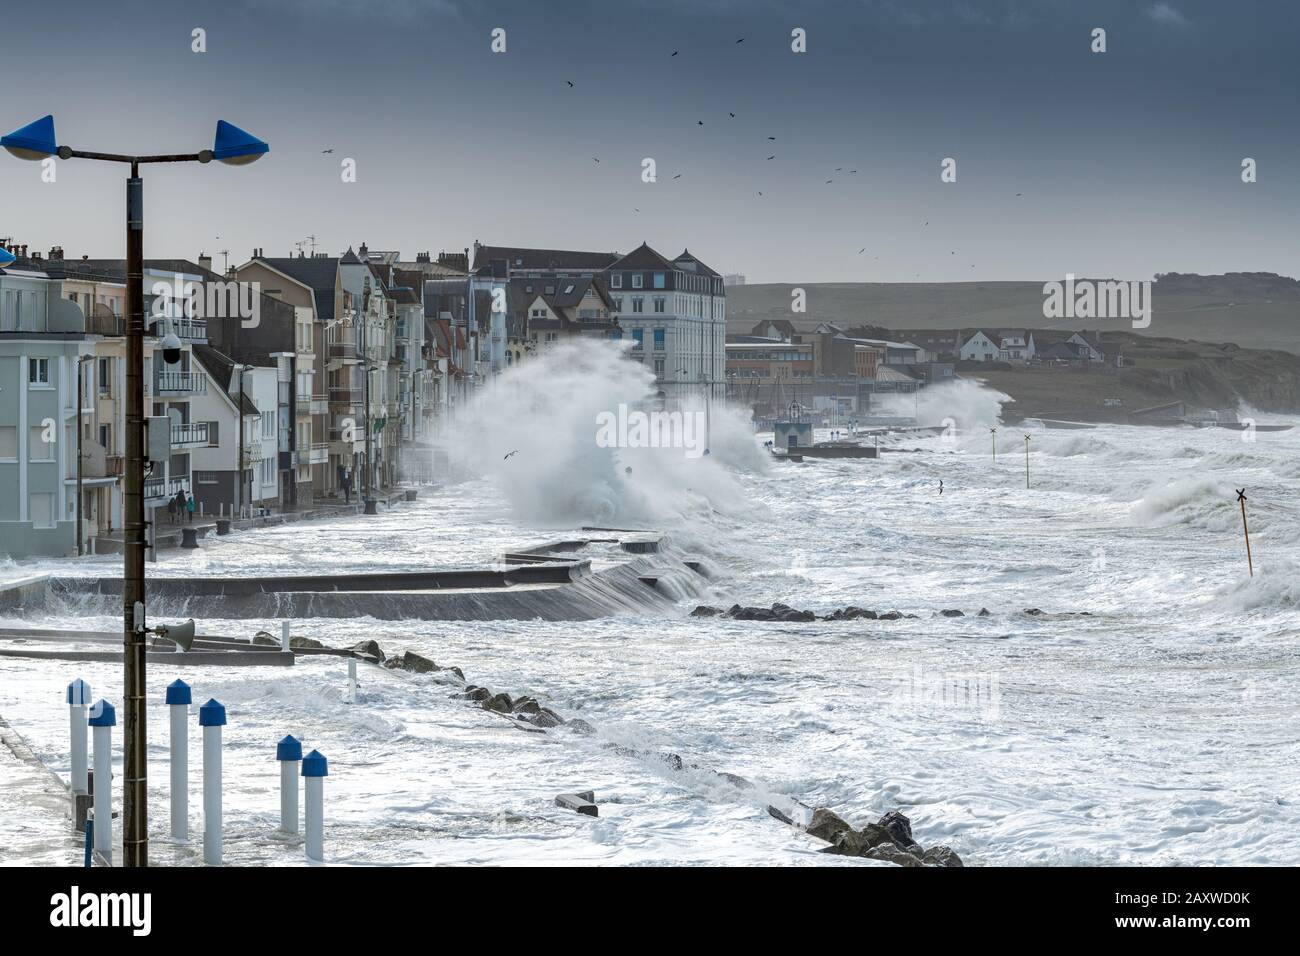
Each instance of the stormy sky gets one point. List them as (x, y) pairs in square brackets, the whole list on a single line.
[(1127, 162)]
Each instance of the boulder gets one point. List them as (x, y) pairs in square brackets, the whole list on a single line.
[(893, 854), (501, 703), (984, 612), (778, 815), (898, 827), (417, 663), (1033, 611), (672, 760), (578, 802), (477, 693), (304, 642), (369, 651), (265, 639), (580, 726), (798, 616), (891, 616), (952, 612), (527, 705), (705, 610), (779, 608), (853, 612), (941, 856), (545, 717), (827, 825), (736, 780)]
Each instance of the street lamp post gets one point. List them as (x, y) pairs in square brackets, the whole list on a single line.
[(233, 146)]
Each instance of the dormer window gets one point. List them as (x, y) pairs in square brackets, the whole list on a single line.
[(636, 280), (616, 280)]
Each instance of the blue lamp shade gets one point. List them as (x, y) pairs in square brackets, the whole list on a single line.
[(7, 258), (290, 748), (33, 141), (232, 146)]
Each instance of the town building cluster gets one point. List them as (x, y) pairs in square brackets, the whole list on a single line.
[(286, 383)]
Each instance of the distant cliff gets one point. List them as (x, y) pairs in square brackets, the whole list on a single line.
[(1252, 309)]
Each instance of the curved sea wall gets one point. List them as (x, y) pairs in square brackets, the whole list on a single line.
[(572, 580)]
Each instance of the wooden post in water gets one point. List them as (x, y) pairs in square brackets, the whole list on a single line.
[(1241, 497), (994, 433), (1026, 461)]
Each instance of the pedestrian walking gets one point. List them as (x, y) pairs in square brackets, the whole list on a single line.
[(189, 507)]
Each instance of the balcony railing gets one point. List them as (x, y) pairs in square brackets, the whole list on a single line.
[(180, 383), (347, 396), (191, 330), (190, 433), (342, 350)]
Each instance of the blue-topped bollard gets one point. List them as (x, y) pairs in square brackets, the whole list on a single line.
[(78, 698), (314, 770), (289, 751), (212, 717), (178, 704), (103, 718)]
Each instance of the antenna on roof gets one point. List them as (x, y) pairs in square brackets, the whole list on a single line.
[(226, 268)]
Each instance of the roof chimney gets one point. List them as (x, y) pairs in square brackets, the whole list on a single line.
[(205, 262), (56, 252)]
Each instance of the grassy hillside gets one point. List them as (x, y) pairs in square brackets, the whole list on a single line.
[(1253, 310)]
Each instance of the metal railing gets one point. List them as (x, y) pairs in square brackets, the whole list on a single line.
[(190, 433), (180, 383)]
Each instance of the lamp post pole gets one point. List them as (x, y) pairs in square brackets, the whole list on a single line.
[(232, 145)]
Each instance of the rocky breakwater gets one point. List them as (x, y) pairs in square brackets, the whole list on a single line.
[(889, 839)]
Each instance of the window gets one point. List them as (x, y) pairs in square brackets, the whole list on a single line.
[(616, 280), (659, 368), (659, 340), (38, 371), (659, 280), (659, 303), (38, 449), (636, 280), (8, 442), (568, 289), (638, 304), (104, 375), (268, 424), (41, 507), (638, 338), (618, 303)]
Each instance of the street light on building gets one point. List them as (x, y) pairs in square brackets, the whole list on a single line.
[(231, 145)]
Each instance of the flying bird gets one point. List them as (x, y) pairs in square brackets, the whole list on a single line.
[(678, 176), (700, 122), (327, 150), (773, 156), (570, 82), (772, 138), (675, 52), (829, 181), (741, 40), (509, 453), (862, 250), (594, 159)]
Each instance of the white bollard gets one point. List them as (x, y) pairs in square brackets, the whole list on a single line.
[(178, 704), (284, 636), (314, 770), (78, 698), (289, 751), (103, 718), (352, 680), (212, 717)]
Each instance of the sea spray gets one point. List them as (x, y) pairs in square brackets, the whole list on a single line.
[(536, 434)]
